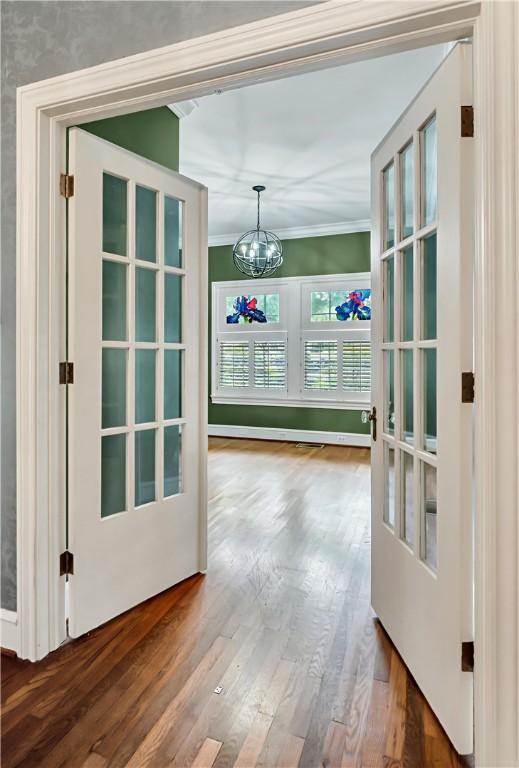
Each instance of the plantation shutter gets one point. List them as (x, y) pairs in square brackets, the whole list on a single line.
[(270, 364), (320, 365), (233, 364), (356, 366)]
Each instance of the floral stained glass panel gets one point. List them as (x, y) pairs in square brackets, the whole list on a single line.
[(260, 308), (333, 306)]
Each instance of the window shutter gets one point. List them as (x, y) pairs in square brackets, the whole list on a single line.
[(270, 364), (356, 368), (233, 362), (320, 365)]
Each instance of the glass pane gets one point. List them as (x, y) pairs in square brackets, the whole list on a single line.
[(144, 385), (407, 294), (389, 207), (389, 299), (429, 172), (407, 497), (430, 509), (230, 308), (337, 298), (172, 232), (272, 307), (145, 321), (389, 399), (172, 384), (389, 466), (429, 396), (172, 461), (320, 306), (144, 466), (114, 301), (429, 287), (407, 396), (113, 474), (172, 308), (406, 175), (145, 224), (115, 227), (113, 388)]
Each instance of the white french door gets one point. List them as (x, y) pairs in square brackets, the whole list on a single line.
[(422, 343), (136, 336)]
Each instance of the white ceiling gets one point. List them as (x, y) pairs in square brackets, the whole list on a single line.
[(308, 139)]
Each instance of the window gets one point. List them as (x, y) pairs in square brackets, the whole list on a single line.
[(245, 367), (337, 306), (270, 363), (234, 364), (320, 365), (301, 341), (356, 370), (236, 308)]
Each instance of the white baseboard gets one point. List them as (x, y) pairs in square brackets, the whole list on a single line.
[(295, 435), (9, 630)]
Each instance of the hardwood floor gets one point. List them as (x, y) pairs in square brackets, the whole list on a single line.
[(281, 626)]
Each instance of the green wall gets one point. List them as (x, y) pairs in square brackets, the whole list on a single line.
[(153, 133), (327, 255)]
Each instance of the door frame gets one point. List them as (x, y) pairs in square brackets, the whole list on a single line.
[(316, 37)]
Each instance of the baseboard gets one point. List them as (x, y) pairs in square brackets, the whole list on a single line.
[(9, 630), (295, 435)]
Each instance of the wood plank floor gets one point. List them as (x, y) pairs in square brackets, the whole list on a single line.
[(281, 625)]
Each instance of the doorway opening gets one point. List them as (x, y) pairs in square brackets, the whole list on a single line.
[(310, 354)]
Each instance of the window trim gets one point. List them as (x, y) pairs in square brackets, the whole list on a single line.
[(295, 328)]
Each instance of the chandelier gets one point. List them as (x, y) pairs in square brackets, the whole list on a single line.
[(258, 253)]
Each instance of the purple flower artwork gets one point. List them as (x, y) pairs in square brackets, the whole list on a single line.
[(356, 307), (246, 308)]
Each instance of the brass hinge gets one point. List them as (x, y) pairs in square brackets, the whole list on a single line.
[(66, 373), (66, 563), (467, 122), (66, 185), (467, 387), (467, 656)]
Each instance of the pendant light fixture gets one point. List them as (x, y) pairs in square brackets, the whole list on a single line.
[(258, 253)]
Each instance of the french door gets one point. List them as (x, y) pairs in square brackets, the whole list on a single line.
[(136, 336), (422, 343)]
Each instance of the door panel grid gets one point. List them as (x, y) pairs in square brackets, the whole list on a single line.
[(409, 314), (155, 307)]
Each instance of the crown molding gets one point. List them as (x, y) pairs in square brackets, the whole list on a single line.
[(183, 108), (293, 233)]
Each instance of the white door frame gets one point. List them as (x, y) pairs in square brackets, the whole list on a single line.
[(315, 37)]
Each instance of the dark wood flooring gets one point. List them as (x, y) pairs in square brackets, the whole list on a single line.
[(281, 625)]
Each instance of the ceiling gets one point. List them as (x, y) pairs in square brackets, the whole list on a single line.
[(308, 139)]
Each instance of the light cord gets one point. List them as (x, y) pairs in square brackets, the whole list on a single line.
[(258, 225)]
